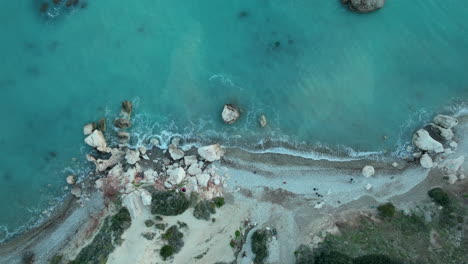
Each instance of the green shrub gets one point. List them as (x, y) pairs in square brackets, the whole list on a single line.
[(174, 238), (169, 203), (149, 223), (259, 245), (375, 259), (28, 257), (105, 240), (237, 233), (304, 255), (439, 196), (332, 257), (204, 209), (57, 259), (219, 201), (160, 226), (166, 251), (158, 218), (386, 210), (149, 235)]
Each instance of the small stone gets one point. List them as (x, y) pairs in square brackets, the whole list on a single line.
[(262, 120), (176, 154), (319, 205), (189, 160), (453, 144), (461, 177), (417, 155), (368, 186), (122, 123), (203, 179), (194, 170), (71, 179), (448, 151), (426, 161), (127, 108), (452, 178), (96, 140), (142, 150), (145, 197), (230, 113), (394, 164), (132, 156), (166, 161), (167, 185), (154, 142)]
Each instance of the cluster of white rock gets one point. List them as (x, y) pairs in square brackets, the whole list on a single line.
[(125, 171), (433, 153)]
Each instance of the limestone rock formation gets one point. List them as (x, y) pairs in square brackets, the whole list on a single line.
[(426, 161), (211, 153), (88, 129), (176, 154), (96, 140), (132, 156), (445, 121), (262, 120), (230, 113), (364, 6), (424, 141), (176, 175), (368, 171)]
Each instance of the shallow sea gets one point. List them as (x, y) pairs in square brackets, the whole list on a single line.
[(323, 76)]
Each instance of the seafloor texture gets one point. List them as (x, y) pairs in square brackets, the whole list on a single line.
[(321, 75)]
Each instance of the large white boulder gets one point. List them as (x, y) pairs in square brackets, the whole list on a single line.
[(424, 141), (262, 120), (176, 175), (426, 161), (211, 153), (230, 113), (133, 203), (150, 175), (145, 197), (189, 160), (96, 140), (445, 121), (132, 156), (368, 171), (71, 179), (203, 179), (445, 133), (176, 154), (451, 166), (101, 165), (194, 169)]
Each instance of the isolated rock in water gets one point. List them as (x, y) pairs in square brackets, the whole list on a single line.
[(211, 153), (189, 160), (145, 197), (127, 108), (452, 178), (176, 175), (424, 141), (426, 161), (122, 123), (445, 121), (176, 154), (445, 133), (71, 179), (123, 137), (364, 6), (76, 191), (368, 171), (96, 140), (132, 156), (88, 129), (263, 120), (451, 166), (368, 186), (133, 203), (194, 169), (230, 113), (203, 179)]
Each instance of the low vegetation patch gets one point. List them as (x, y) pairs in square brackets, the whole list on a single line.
[(260, 245), (57, 259), (166, 251), (204, 209), (149, 223), (386, 210), (169, 203), (105, 240), (219, 201), (439, 196), (174, 238)]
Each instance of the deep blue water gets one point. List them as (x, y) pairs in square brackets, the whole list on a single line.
[(321, 74)]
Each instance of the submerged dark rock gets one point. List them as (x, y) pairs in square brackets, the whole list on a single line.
[(364, 6)]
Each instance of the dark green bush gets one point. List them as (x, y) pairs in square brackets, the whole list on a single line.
[(174, 238), (204, 209), (149, 223), (304, 255), (386, 210), (158, 218), (149, 235), (169, 203), (57, 259), (219, 201), (375, 259), (166, 251), (332, 257), (160, 226), (439, 196), (28, 257), (259, 245)]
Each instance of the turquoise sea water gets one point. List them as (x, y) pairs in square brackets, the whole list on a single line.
[(322, 75)]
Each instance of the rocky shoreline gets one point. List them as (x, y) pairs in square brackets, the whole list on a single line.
[(135, 175)]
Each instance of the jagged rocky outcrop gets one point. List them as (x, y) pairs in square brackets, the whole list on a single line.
[(211, 153), (230, 113), (368, 171), (424, 141)]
